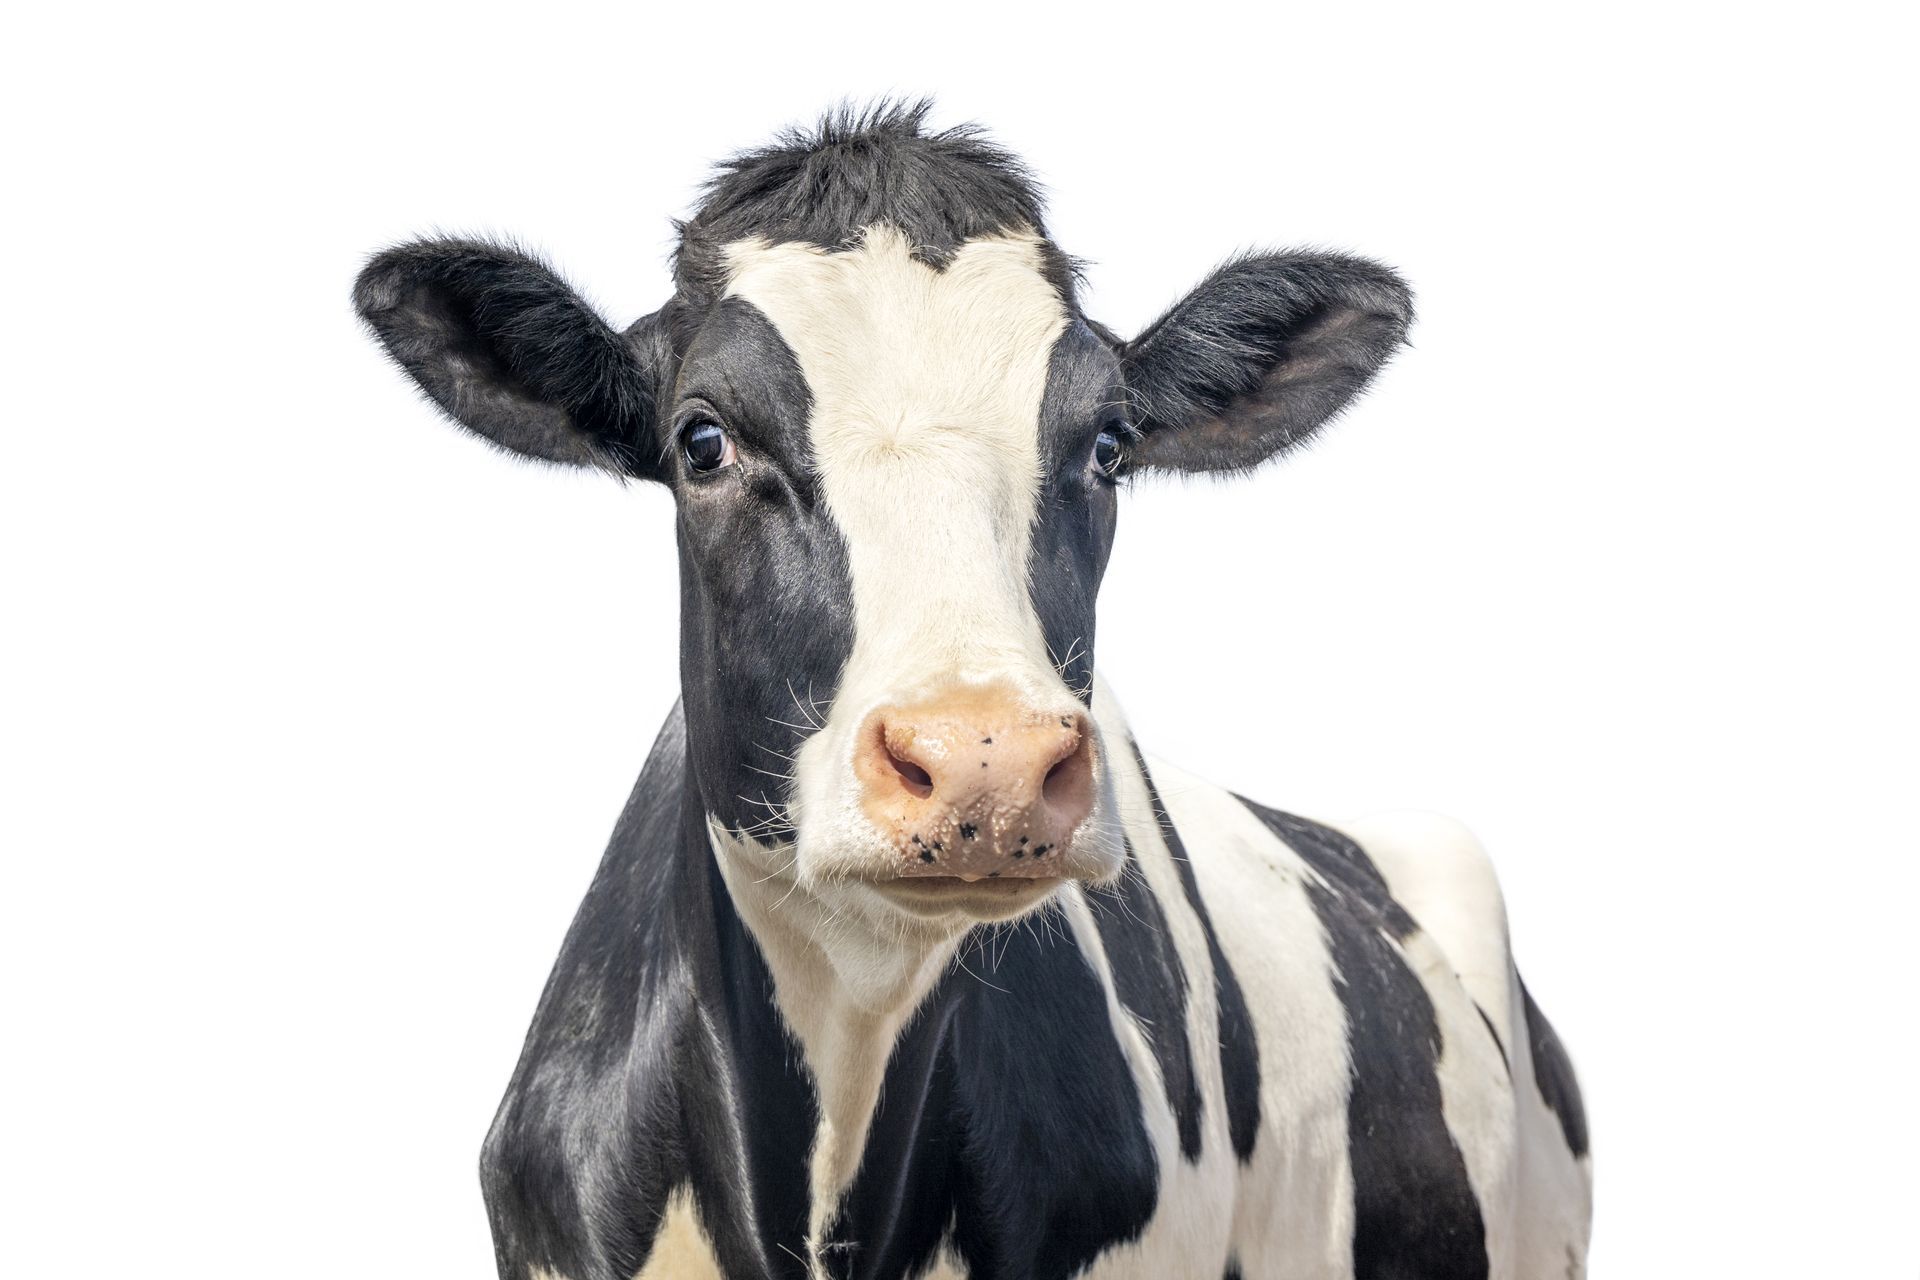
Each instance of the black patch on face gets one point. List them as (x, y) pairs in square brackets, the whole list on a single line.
[(1553, 1073), (1239, 1050), (656, 1060), (856, 169), (766, 601), (1152, 985), (1415, 1213), (1078, 511), (1009, 1114)]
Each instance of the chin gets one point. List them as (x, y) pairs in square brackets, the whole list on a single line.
[(949, 900)]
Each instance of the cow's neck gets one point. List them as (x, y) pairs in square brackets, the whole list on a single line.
[(844, 984)]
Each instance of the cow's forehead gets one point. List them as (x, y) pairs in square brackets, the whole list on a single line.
[(904, 357), (926, 386)]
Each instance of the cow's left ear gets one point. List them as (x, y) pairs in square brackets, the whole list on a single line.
[(510, 352), (1256, 358)]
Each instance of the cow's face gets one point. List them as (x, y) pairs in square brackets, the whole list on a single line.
[(895, 473), (896, 489)]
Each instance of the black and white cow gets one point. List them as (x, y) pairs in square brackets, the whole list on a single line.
[(795, 1029)]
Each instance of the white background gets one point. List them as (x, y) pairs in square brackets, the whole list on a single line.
[(317, 714)]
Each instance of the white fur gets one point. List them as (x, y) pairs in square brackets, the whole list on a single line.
[(681, 1250), (926, 390)]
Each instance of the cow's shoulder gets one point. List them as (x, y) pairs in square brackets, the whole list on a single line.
[(584, 1151), (657, 1086), (1441, 876), (1436, 868)]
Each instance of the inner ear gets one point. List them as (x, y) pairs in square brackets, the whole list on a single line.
[(1261, 355)]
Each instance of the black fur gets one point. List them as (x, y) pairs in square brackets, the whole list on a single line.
[(510, 352), (766, 603), (854, 169), (1259, 356), (1152, 985), (983, 1123), (656, 1059), (1079, 510)]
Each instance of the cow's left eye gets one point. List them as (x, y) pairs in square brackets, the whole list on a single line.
[(707, 445), (1110, 451)]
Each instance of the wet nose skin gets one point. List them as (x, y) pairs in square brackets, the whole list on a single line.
[(976, 785)]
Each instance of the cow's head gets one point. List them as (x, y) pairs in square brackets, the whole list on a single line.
[(894, 443)]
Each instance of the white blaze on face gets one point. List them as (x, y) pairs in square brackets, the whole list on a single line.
[(926, 388)]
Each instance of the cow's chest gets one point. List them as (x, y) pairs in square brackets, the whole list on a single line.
[(1008, 1134)]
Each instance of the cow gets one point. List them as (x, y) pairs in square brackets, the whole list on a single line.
[(904, 960)]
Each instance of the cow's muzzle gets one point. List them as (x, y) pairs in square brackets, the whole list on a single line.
[(977, 784)]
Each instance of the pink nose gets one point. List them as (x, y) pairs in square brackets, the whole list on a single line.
[(975, 784)]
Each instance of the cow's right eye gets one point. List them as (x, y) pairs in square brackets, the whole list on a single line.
[(707, 445)]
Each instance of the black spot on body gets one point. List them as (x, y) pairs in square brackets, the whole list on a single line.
[(983, 1127), (1152, 985), (1415, 1213), (1553, 1074), (1239, 1050)]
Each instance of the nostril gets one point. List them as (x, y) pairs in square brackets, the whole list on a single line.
[(1070, 781), (915, 779)]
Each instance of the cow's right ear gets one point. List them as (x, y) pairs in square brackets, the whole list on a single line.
[(514, 355)]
